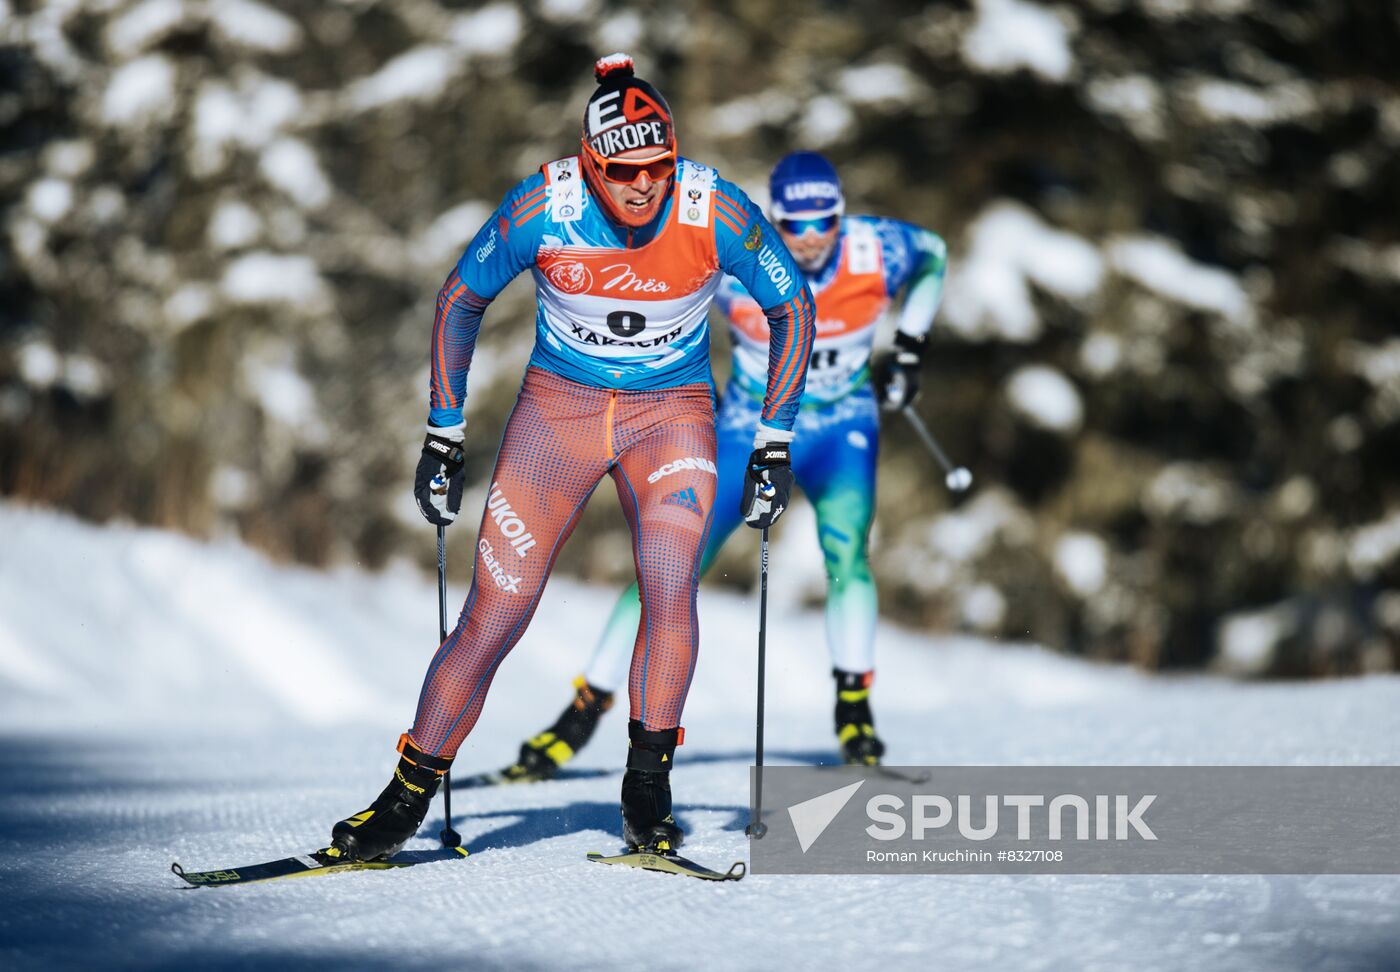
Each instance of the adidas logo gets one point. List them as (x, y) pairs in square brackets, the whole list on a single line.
[(685, 498)]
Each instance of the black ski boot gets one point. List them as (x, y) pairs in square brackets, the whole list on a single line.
[(855, 726), (541, 756), (647, 823), (397, 813)]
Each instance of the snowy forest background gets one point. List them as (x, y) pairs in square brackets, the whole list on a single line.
[(1168, 351)]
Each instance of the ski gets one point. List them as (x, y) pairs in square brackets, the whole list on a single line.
[(503, 778), (309, 865), (493, 778), (671, 864)]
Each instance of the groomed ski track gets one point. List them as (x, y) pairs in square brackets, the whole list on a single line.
[(165, 699)]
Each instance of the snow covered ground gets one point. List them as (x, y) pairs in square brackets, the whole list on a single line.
[(163, 699)]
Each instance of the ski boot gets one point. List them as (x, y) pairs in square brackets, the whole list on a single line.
[(647, 822), (855, 728), (541, 756), (397, 813)]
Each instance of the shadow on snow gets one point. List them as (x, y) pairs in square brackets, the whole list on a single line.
[(811, 757)]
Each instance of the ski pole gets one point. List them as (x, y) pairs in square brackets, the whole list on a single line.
[(957, 479), (450, 837), (757, 828)]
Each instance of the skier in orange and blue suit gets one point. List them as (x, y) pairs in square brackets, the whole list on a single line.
[(627, 242)]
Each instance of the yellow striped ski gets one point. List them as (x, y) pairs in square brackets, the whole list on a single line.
[(671, 864), (325, 861)]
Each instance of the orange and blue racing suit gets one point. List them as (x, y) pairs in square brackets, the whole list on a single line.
[(618, 384)]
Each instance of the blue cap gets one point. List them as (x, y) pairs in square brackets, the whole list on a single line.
[(806, 184)]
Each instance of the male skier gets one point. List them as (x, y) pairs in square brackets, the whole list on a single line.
[(627, 242)]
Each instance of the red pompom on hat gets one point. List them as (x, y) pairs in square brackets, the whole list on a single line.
[(614, 66)]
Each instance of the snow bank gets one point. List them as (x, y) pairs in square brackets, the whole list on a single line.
[(164, 630)]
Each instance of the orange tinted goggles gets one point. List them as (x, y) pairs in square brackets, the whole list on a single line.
[(627, 171)]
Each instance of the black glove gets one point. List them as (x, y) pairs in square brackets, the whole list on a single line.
[(438, 482), (767, 485), (896, 372)]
